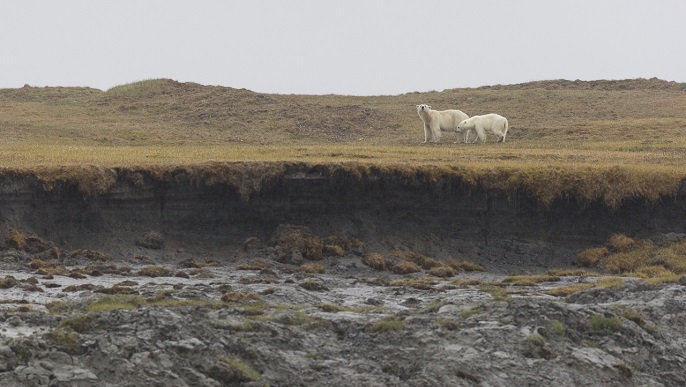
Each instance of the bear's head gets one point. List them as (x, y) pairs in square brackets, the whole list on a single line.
[(423, 107), (465, 124)]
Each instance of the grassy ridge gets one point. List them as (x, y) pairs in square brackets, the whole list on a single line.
[(602, 140)]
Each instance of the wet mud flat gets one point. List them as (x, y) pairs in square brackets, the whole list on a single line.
[(261, 322)]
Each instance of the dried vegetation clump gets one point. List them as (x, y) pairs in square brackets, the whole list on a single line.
[(312, 267), (19, 240), (408, 262), (374, 260), (388, 324), (639, 258), (192, 263), (590, 257), (240, 297), (300, 239), (530, 280), (406, 267), (255, 264), (155, 271), (152, 240)]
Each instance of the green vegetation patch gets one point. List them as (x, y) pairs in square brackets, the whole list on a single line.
[(601, 323), (245, 373), (388, 324), (530, 280)]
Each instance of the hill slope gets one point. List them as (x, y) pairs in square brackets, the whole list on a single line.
[(165, 112)]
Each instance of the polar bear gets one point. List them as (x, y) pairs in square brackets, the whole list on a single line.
[(436, 121), (497, 124)]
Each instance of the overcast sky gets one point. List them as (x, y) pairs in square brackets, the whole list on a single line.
[(365, 47)]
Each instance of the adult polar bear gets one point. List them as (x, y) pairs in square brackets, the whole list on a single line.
[(436, 121), (497, 124)]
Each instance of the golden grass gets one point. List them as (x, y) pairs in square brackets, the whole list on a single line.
[(590, 257), (466, 282), (638, 258), (462, 265), (240, 297), (572, 272), (301, 239), (620, 243), (155, 271), (406, 267), (420, 260), (312, 267), (374, 260), (422, 283), (244, 372), (564, 291), (530, 280), (442, 271)]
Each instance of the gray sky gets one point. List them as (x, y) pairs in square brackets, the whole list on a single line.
[(357, 47)]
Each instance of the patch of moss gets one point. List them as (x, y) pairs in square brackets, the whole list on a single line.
[(314, 286), (155, 271), (530, 280), (240, 297), (245, 373), (422, 283), (108, 303), (69, 341), (388, 324), (470, 312), (564, 291), (498, 293), (466, 282), (601, 323), (78, 323)]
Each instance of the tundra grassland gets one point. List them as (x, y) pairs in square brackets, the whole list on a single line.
[(600, 139)]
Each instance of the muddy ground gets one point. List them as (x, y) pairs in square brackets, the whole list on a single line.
[(177, 283)]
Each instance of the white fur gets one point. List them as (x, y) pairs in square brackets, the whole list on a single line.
[(497, 124), (436, 121)]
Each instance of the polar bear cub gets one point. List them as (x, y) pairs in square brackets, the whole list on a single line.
[(436, 121), (497, 124)]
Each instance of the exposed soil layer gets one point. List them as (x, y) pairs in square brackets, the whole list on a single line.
[(445, 217)]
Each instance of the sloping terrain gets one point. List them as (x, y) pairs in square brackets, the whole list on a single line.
[(164, 112)]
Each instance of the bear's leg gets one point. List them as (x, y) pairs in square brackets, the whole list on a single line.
[(465, 136), (480, 133), (469, 134), (435, 133), (426, 133)]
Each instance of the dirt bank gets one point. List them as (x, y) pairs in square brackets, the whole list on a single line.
[(213, 210)]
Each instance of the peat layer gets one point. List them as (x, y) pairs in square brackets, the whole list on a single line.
[(201, 211)]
